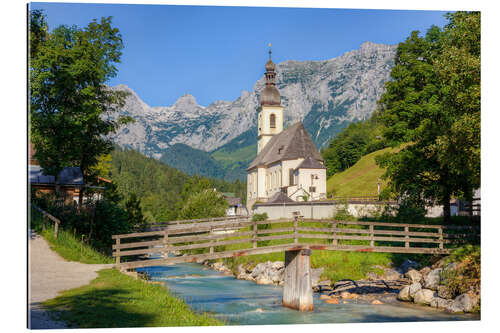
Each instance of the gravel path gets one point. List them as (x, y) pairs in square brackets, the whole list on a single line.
[(49, 274)]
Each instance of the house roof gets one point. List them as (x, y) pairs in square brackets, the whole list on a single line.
[(291, 144), (310, 163), (233, 201), (68, 176), (279, 197)]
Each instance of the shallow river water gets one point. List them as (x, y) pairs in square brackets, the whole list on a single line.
[(240, 302)]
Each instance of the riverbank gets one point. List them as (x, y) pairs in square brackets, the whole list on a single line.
[(67, 294), (50, 274), (450, 284), (115, 300)]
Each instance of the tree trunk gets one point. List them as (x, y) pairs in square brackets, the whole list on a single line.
[(446, 207)]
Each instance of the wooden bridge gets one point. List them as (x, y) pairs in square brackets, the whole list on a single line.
[(199, 240)]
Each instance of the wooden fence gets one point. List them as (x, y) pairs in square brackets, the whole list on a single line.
[(45, 217), (221, 239)]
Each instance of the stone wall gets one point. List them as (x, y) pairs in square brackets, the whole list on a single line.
[(319, 209)]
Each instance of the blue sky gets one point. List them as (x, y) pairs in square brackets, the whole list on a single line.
[(214, 53)]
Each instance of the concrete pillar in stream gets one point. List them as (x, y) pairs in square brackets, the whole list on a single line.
[(297, 292)]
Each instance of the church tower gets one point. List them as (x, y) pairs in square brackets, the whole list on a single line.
[(270, 112)]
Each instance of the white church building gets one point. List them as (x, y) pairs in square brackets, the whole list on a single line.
[(288, 167)]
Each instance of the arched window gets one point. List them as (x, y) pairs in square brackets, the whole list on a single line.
[(272, 120)]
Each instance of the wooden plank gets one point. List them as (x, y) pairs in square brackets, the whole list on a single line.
[(322, 236), (138, 234), (119, 245), (287, 236), (208, 244), (314, 229), (269, 231), (185, 239), (204, 256), (136, 252), (183, 229), (274, 221)]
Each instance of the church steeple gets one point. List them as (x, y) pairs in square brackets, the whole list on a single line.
[(270, 95), (270, 111)]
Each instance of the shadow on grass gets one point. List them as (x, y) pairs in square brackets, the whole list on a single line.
[(97, 309)]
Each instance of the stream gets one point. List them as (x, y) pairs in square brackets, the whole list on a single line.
[(241, 302)]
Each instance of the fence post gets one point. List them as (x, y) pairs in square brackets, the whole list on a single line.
[(211, 241), (44, 221), (254, 234), (440, 230), (295, 234), (118, 251), (56, 228), (407, 230), (372, 242), (334, 233)]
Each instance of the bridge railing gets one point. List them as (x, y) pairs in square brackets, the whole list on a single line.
[(156, 225), (219, 239)]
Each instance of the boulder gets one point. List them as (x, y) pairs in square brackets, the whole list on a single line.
[(377, 302), (391, 274), (414, 288), (277, 275), (277, 265), (440, 303), (462, 303), (424, 271), (404, 294), (443, 292), (431, 280), (263, 280), (258, 270), (414, 276), (424, 296), (452, 266), (324, 296), (408, 265)]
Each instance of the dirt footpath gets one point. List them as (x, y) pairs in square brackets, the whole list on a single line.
[(49, 274)]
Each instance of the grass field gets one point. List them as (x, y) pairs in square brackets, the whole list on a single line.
[(359, 180), (114, 299)]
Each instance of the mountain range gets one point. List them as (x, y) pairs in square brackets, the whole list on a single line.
[(219, 140)]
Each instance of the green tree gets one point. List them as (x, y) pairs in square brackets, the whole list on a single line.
[(71, 107), (134, 213), (204, 204), (431, 109)]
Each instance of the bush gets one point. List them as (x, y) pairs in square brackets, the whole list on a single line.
[(204, 204), (466, 278), (259, 217)]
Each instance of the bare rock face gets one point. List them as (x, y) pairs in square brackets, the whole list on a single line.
[(321, 94), (424, 296)]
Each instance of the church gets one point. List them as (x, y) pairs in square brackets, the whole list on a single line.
[(288, 167)]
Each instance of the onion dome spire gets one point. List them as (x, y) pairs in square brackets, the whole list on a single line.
[(270, 95)]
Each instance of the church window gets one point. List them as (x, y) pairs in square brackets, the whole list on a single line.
[(290, 176), (272, 120), (312, 189)]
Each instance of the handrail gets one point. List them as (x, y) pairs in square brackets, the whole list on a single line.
[(333, 235), (46, 215)]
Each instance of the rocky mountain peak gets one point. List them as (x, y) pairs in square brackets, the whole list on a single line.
[(325, 95)]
